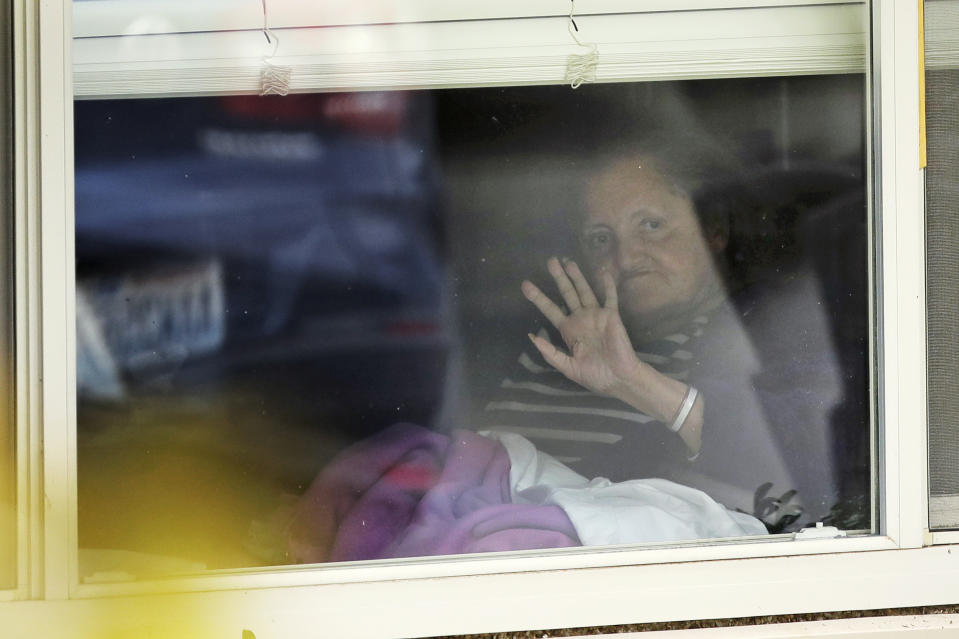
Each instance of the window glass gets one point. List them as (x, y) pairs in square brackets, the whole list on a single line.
[(368, 325)]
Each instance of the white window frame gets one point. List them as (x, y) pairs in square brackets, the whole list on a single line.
[(474, 594)]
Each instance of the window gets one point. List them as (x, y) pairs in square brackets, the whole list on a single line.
[(685, 46), (283, 289)]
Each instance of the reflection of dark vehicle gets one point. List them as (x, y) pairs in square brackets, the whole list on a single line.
[(284, 245)]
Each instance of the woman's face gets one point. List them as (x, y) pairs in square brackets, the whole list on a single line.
[(644, 231)]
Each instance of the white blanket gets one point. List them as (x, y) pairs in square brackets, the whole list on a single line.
[(629, 512)]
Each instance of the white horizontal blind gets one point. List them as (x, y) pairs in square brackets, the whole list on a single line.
[(97, 18), (714, 43)]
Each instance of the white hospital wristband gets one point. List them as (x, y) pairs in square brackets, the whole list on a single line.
[(685, 408)]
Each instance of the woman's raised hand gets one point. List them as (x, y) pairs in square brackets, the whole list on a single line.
[(601, 357)]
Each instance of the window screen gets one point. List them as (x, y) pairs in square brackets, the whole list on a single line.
[(942, 255)]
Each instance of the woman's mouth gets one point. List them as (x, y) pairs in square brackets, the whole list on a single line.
[(635, 274)]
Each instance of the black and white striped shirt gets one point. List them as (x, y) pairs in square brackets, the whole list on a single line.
[(595, 435)]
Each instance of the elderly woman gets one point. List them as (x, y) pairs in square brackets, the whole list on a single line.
[(653, 371)]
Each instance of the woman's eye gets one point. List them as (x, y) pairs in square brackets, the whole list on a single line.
[(651, 224), (598, 242)]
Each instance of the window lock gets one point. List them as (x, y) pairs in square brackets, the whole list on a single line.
[(819, 532)]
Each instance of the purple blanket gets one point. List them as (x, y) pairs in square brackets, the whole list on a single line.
[(410, 492)]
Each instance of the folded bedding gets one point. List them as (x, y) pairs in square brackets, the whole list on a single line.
[(409, 492), (628, 512)]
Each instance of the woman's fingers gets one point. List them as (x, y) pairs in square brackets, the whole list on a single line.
[(553, 356), (582, 286), (566, 289), (545, 305), (609, 290)]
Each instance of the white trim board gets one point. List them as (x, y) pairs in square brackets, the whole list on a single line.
[(524, 601), (902, 284), (27, 311), (479, 565), (57, 313), (654, 46)]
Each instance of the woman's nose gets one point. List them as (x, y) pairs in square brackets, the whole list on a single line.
[(630, 252)]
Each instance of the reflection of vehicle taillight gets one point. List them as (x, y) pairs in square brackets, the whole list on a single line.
[(373, 112), (409, 328), (376, 113), (290, 109)]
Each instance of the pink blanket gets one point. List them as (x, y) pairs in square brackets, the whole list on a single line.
[(410, 492)]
